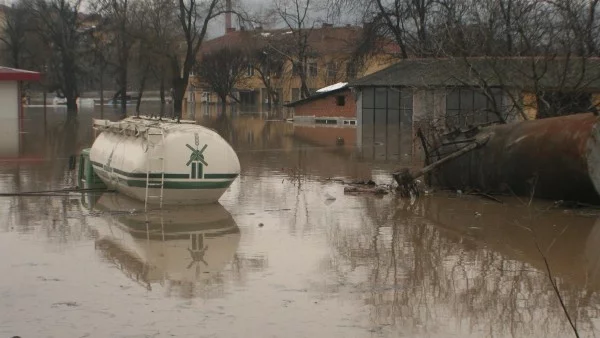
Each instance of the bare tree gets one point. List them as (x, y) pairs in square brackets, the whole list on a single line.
[(406, 21), (15, 32), (119, 16), (222, 70), (194, 17), (269, 66), (59, 26), (295, 14), (160, 30)]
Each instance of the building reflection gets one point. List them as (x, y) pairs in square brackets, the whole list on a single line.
[(10, 138)]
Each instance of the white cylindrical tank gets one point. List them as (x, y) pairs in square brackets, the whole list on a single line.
[(140, 156)]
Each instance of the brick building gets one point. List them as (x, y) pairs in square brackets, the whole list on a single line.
[(333, 104), (331, 57)]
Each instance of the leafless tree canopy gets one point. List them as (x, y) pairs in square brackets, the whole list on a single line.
[(222, 70), (135, 43), (482, 27)]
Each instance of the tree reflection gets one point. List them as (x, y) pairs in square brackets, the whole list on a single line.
[(430, 270)]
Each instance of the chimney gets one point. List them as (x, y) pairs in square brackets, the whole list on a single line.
[(228, 27)]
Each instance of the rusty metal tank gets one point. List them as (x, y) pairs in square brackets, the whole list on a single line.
[(555, 158)]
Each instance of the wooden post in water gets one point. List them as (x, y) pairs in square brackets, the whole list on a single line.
[(101, 93), (44, 98)]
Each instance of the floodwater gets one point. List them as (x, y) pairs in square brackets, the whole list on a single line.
[(286, 253)]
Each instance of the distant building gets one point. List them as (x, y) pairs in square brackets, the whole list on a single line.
[(330, 59), (454, 93), (333, 104)]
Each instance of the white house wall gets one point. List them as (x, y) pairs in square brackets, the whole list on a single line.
[(9, 119)]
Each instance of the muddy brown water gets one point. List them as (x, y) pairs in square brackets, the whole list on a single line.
[(286, 253)]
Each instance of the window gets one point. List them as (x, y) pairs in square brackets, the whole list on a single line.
[(332, 70), (296, 69), (312, 69), (325, 121), (295, 94), (467, 107), (390, 106), (351, 71), (340, 100), (249, 70)]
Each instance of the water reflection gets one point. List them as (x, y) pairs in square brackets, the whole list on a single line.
[(290, 261), (186, 248), (472, 266)]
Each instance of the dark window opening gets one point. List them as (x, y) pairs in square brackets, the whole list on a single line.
[(248, 97), (297, 69), (552, 104), (351, 71), (295, 94), (325, 121), (393, 105), (340, 100), (312, 69), (332, 70)]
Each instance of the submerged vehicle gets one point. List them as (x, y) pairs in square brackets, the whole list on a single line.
[(162, 161)]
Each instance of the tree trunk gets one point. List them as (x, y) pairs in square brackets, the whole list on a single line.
[(141, 91), (179, 87), (123, 84), (304, 91), (102, 90), (162, 88), (71, 104), (223, 104)]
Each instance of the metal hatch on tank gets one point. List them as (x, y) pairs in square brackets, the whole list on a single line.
[(183, 245), (163, 161)]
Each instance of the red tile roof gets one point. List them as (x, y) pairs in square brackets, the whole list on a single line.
[(324, 40), (13, 74)]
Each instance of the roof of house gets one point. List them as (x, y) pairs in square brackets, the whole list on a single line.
[(522, 72), (322, 40), (13, 74), (333, 87), (330, 90)]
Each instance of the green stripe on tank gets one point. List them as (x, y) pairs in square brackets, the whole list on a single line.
[(215, 176), (182, 184), (158, 175)]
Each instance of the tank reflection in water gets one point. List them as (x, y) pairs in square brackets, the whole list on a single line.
[(182, 248)]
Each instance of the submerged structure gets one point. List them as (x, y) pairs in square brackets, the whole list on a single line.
[(555, 158), (163, 162)]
